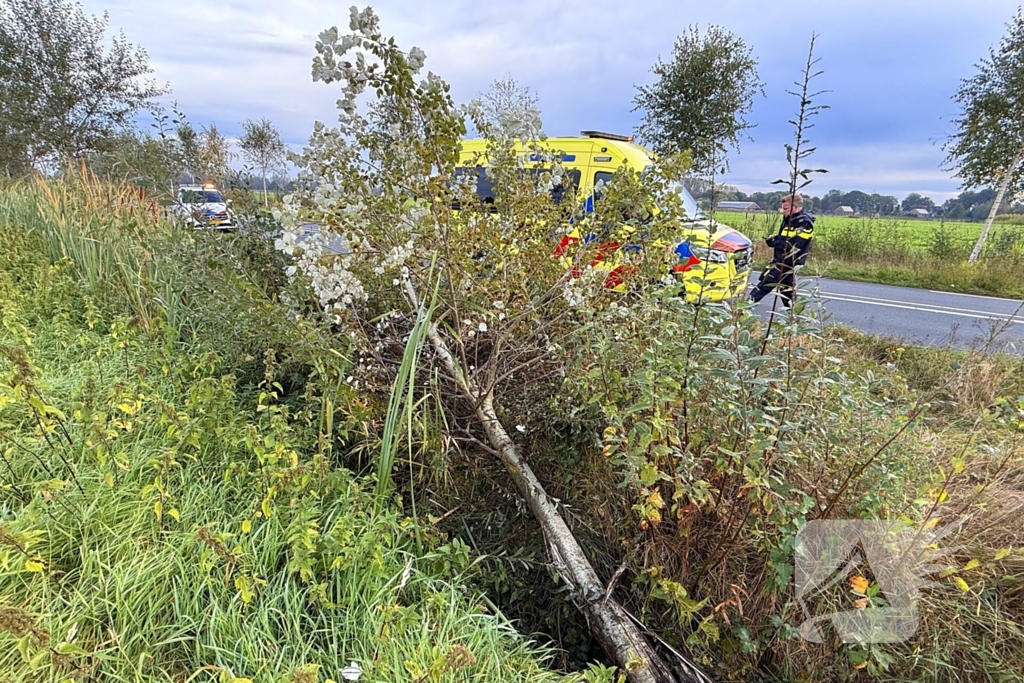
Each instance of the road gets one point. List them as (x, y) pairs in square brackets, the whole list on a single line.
[(919, 316)]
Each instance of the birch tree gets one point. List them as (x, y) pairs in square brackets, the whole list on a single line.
[(701, 98), (988, 145), (214, 155)]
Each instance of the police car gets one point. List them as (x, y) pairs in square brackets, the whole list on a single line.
[(203, 207)]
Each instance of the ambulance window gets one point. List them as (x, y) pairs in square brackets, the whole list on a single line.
[(484, 190), (601, 178), (573, 184)]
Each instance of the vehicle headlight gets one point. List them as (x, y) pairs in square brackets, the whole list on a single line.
[(711, 255)]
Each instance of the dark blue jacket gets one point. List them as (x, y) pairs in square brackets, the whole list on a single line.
[(792, 244)]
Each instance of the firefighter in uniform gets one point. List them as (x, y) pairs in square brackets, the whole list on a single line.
[(790, 246)]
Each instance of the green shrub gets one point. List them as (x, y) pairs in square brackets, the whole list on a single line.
[(945, 244), (725, 444)]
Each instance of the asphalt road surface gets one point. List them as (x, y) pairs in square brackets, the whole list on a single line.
[(918, 316)]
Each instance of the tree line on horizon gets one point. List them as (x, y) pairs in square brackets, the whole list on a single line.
[(968, 205)]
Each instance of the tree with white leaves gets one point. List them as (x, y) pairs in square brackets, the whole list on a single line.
[(988, 145), (474, 291), (510, 110)]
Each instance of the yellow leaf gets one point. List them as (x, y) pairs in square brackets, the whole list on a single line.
[(1002, 554), (963, 584), (23, 644), (246, 526), (173, 512), (158, 508), (859, 584), (414, 669), (242, 584), (34, 566), (932, 523), (108, 479), (860, 665), (973, 564), (37, 659)]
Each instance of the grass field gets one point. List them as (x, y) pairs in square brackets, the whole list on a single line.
[(909, 252), (923, 236)]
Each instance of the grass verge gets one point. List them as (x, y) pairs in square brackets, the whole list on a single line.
[(163, 518)]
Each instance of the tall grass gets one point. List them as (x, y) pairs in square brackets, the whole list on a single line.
[(163, 520), (176, 561), (108, 233)]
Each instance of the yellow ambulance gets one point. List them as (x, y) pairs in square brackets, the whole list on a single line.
[(713, 265)]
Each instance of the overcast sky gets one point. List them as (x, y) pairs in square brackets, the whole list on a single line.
[(891, 67)]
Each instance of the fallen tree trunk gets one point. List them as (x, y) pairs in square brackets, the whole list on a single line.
[(609, 622)]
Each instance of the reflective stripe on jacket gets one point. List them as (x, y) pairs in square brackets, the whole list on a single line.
[(792, 245)]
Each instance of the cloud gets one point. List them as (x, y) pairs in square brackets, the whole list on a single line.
[(890, 67), (896, 169)]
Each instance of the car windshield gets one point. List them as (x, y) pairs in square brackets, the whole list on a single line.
[(693, 211), (202, 197)]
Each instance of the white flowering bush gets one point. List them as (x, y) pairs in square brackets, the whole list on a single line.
[(722, 441), (384, 182)]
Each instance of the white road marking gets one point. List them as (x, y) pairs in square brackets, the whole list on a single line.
[(936, 307), (933, 291), (979, 296), (904, 305)]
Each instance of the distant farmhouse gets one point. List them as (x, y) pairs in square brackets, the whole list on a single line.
[(844, 211), (919, 213), (738, 206)]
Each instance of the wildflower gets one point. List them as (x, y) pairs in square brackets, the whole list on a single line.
[(859, 584)]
